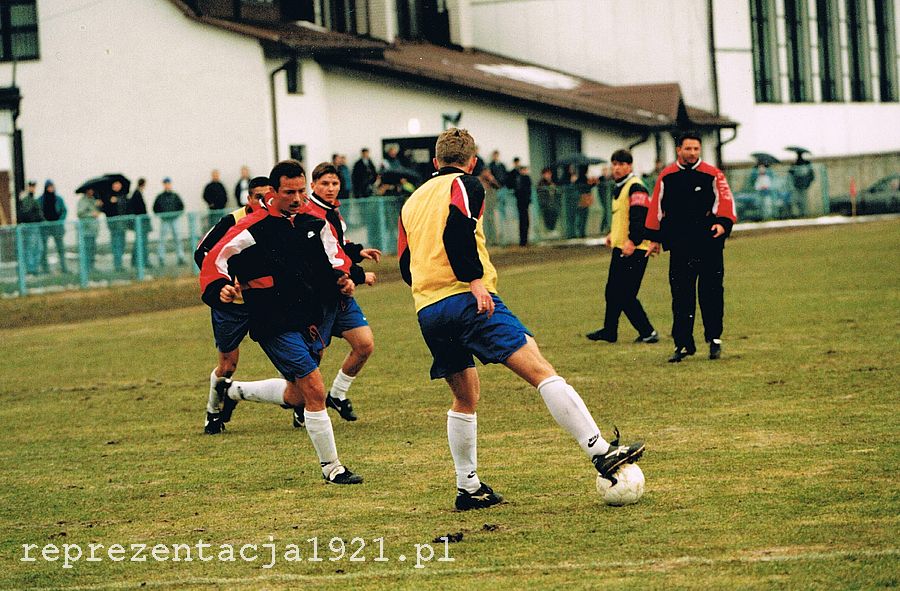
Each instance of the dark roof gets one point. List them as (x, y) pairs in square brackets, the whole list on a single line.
[(647, 106), (303, 39)]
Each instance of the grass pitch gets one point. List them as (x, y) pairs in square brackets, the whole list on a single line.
[(775, 467)]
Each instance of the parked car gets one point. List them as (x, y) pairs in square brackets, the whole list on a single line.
[(882, 196)]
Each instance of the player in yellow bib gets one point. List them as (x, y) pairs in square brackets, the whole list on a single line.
[(444, 259)]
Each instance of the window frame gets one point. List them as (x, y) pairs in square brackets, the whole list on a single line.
[(763, 32), (8, 31)]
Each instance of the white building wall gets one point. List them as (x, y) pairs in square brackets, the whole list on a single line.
[(663, 41), (136, 87), (826, 129), (605, 40)]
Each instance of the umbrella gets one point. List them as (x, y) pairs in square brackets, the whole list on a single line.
[(765, 158), (797, 149), (102, 185), (394, 175), (578, 160)]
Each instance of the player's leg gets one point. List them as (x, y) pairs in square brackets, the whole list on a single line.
[(569, 410), (609, 332), (711, 293), (635, 267), (462, 435), (362, 345), (296, 356), (683, 285), (230, 326)]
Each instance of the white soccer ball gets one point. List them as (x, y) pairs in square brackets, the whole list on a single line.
[(629, 487)]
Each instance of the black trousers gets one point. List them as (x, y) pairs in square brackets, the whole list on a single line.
[(694, 270), (523, 223), (622, 286)]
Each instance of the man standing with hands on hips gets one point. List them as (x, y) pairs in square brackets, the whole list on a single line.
[(691, 213)]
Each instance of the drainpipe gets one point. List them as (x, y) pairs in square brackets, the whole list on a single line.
[(282, 67), (643, 139)]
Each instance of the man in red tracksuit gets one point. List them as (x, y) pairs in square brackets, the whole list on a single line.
[(691, 213)]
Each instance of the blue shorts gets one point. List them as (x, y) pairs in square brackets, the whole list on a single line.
[(454, 332), (346, 316), (230, 326), (293, 354)]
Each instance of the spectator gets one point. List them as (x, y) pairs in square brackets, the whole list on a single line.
[(114, 205), (391, 158), (498, 169), (523, 202), (802, 176), (169, 207), (54, 209), (140, 224), (88, 211), (340, 163), (364, 175), (605, 186), (763, 187), (28, 211), (548, 199), (215, 196), (491, 202), (242, 188), (585, 201), (512, 177)]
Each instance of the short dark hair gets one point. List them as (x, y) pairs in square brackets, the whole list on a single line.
[(687, 135), (286, 168), (622, 156), (259, 181), (142, 181), (324, 168)]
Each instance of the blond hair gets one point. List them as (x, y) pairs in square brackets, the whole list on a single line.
[(455, 146)]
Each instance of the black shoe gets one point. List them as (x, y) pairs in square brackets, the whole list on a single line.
[(482, 498), (343, 475), (715, 348), (344, 407), (299, 419), (615, 456), (214, 424), (601, 335), (680, 353), (653, 337), (222, 387)]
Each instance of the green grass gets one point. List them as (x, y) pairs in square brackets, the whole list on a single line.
[(776, 467)]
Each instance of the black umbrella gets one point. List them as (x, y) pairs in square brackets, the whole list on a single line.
[(800, 151), (102, 185), (578, 160), (395, 175), (765, 158)]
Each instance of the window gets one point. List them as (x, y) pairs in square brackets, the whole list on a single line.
[(830, 76), (424, 20), (765, 50), (18, 30), (293, 76), (886, 28), (796, 25), (339, 15), (858, 48)]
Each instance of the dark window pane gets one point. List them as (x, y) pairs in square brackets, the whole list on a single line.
[(23, 15), (25, 45)]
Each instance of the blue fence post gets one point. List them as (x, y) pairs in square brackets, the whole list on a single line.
[(20, 258), (382, 223), (82, 257), (140, 246)]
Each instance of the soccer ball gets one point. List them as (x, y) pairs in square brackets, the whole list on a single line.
[(629, 487)]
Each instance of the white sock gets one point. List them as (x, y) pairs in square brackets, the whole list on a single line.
[(341, 384), (462, 433), (212, 403), (271, 391), (569, 410), (321, 433)]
